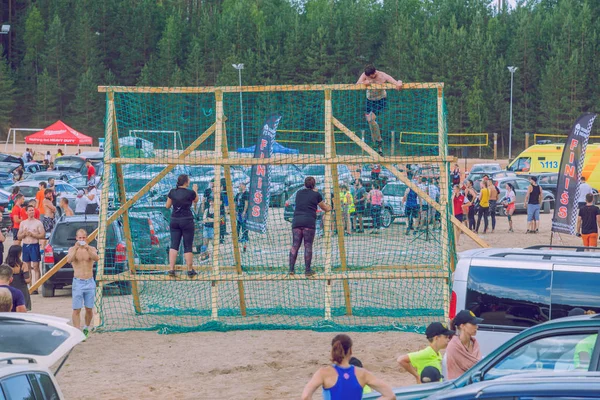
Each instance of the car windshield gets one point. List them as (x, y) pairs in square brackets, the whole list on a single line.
[(71, 163), (311, 170), (26, 337), (28, 191), (7, 168), (64, 234)]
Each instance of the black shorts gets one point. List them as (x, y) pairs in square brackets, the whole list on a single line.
[(460, 217), (15, 232), (375, 106)]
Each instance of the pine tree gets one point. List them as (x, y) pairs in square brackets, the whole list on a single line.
[(55, 59), (46, 100), (7, 101)]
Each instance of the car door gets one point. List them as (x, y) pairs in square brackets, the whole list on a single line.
[(521, 188)]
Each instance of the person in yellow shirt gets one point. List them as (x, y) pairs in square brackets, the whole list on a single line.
[(348, 209), (484, 206), (438, 336)]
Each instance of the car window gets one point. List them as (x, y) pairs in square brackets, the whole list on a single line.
[(522, 184), (509, 296), (572, 289), (66, 189), (18, 388), (48, 387), (567, 352), (28, 191), (522, 164), (544, 179), (64, 234)]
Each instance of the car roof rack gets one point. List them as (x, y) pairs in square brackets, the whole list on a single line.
[(576, 248), (9, 360)]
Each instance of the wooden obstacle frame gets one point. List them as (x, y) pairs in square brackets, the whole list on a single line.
[(222, 162)]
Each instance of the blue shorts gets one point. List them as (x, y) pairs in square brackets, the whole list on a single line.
[(533, 212), (31, 253), (83, 293), (375, 106), (208, 232)]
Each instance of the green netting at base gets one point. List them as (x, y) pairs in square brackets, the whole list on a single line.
[(390, 277)]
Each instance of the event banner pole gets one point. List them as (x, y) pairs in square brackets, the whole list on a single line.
[(569, 174)]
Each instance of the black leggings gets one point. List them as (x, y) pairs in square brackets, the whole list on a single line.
[(182, 227), (483, 212), (471, 217), (308, 234)]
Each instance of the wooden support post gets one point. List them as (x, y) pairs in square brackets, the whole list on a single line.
[(444, 184), (233, 217), (122, 199), (402, 178), (217, 203), (526, 140), (328, 189), (495, 146), (330, 151), (393, 144)]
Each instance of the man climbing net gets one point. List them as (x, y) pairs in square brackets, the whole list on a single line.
[(376, 100)]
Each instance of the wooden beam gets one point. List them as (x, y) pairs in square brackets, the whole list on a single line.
[(234, 276), (303, 159), (173, 162), (114, 143), (272, 88), (214, 290), (330, 151), (407, 182), (327, 228), (233, 218), (58, 266)]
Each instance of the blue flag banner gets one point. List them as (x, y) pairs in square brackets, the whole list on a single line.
[(258, 203), (566, 209)]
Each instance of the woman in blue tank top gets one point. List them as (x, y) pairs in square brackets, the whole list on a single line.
[(342, 381)]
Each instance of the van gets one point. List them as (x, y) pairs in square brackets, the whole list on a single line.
[(547, 157), (514, 289)]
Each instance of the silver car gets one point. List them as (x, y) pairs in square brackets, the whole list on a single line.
[(30, 188), (521, 185), (393, 197)]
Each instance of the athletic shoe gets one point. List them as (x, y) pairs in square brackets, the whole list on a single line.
[(86, 332)]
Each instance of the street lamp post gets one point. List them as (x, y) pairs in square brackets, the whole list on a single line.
[(512, 74), (240, 67)]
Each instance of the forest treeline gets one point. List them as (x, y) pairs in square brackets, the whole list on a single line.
[(61, 50)]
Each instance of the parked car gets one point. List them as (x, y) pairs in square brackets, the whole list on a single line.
[(76, 164), (513, 289), (284, 180), (386, 212), (385, 176), (30, 188), (6, 173), (478, 177), (318, 172), (535, 385), (9, 158), (32, 168), (6, 222), (63, 238), (393, 198), (548, 347), (57, 175), (549, 181), (485, 168), (31, 344), (521, 186)]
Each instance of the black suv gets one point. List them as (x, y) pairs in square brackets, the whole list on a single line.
[(63, 238)]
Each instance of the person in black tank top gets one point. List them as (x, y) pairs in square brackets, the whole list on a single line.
[(533, 200), (182, 224)]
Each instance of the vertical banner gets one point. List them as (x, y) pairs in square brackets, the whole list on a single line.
[(258, 203), (566, 208)]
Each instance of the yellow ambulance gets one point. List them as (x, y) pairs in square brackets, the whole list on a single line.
[(546, 158)]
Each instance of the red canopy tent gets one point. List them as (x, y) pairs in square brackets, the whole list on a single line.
[(59, 133)]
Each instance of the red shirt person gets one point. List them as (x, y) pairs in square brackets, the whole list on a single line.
[(15, 216), (91, 171)]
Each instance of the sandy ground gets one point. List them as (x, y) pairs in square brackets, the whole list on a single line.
[(235, 365)]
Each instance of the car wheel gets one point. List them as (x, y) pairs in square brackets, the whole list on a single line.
[(47, 290), (386, 218), (546, 206)]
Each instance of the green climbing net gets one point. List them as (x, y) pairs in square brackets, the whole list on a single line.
[(379, 279)]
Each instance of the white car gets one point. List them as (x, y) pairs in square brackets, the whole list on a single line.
[(29, 345)]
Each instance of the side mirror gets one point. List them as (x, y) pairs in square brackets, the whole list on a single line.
[(477, 376)]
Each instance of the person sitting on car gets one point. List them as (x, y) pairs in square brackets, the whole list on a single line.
[(463, 350)]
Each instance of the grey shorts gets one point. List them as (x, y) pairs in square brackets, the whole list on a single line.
[(83, 293), (533, 212)]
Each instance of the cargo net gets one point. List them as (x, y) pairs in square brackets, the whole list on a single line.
[(381, 258)]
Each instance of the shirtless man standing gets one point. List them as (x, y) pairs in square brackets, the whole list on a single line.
[(31, 231), (376, 100), (49, 213), (82, 257)]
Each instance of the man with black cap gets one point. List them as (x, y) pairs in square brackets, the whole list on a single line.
[(438, 336)]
